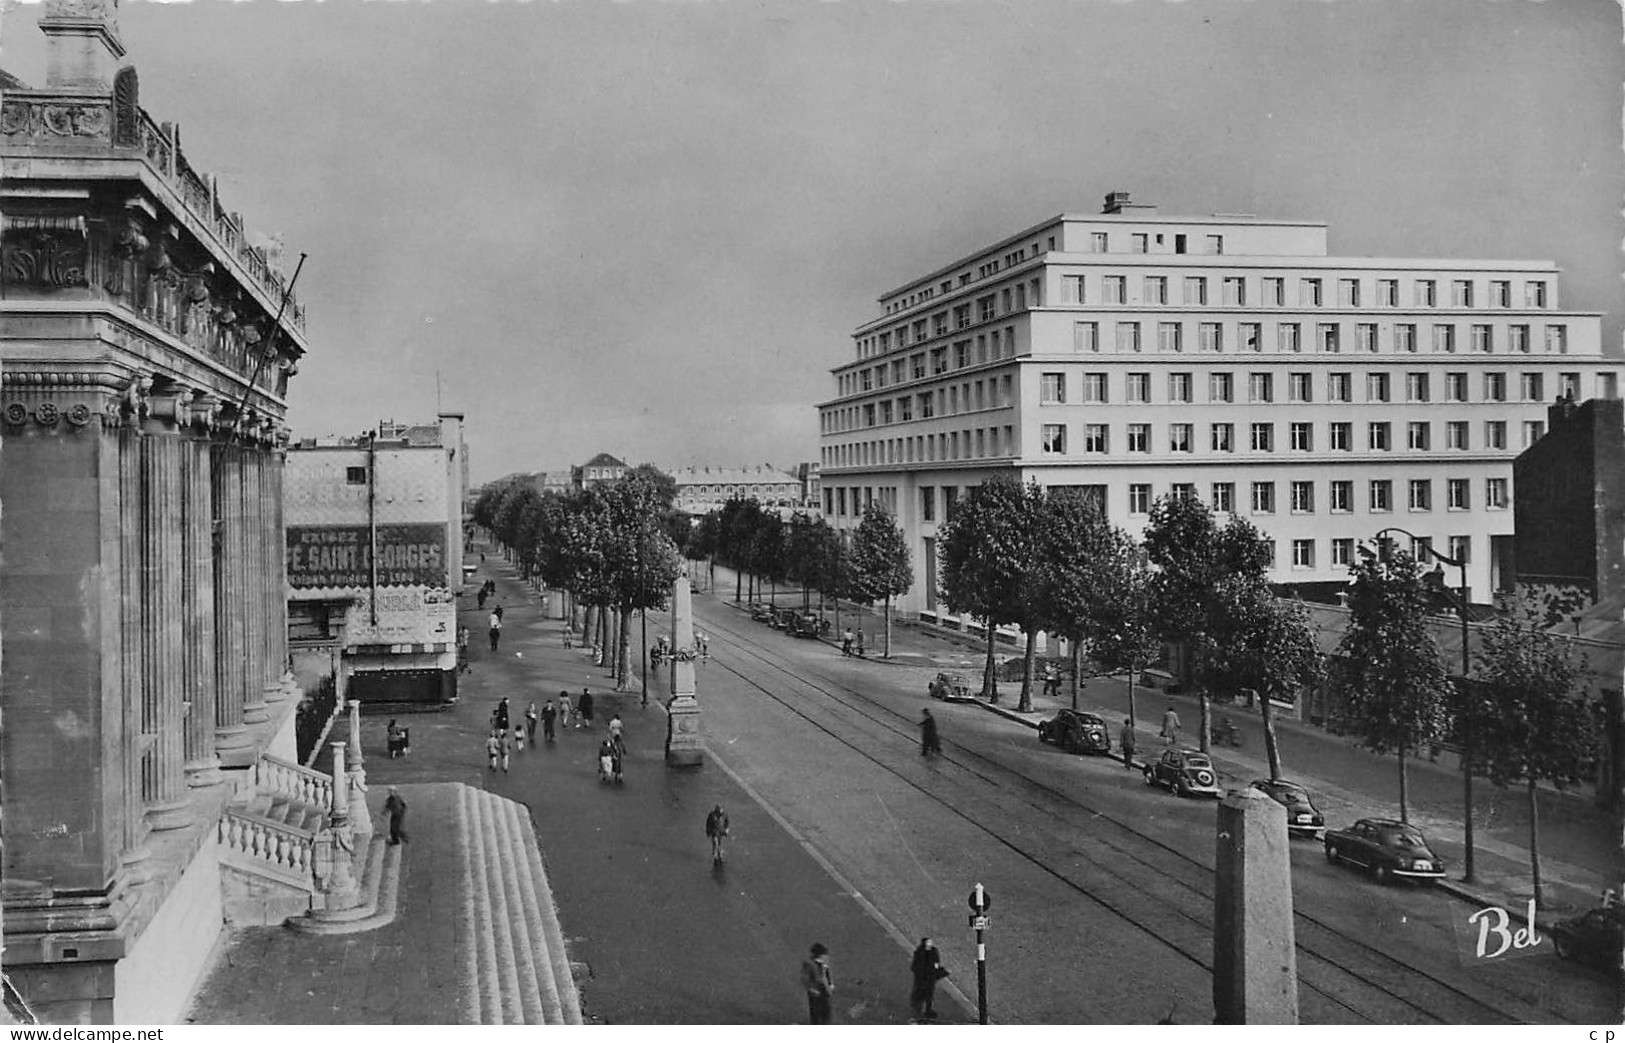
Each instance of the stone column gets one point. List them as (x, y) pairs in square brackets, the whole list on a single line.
[(131, 649), (163, 677), (273, 600), (684, 746), (232, 741), (1255, 971), (202, 766), (275, 458), (341, 888), (252, 604), (360, 815)]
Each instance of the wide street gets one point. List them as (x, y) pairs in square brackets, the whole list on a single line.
[(1102, 886)]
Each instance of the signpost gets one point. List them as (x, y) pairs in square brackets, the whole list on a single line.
[(979, 902)]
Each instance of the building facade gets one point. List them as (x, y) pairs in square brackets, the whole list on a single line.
[(701, 490), (597, 471), (1227, 358), (375, 540), (146, 349)]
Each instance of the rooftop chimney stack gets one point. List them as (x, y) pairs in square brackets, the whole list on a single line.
[(83, 50), (1115, 202)]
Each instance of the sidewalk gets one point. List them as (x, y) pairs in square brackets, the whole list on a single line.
[(1580, 843)]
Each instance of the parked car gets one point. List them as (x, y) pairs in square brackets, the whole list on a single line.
[(1188, 773), (1076, 732), (783, 618), (1301, 814), (806, 624), (1597, 937), (950, 687), (762, 613), (1385, 847)]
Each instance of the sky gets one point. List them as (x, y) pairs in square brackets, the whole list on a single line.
[(650, 228)]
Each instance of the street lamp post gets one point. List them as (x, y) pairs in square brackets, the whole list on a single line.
[(1462, 600)]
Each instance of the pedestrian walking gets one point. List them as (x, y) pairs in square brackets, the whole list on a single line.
[(930, 742), (530, 721), (395, 808), (519, 739), (482, 596), (502, 714), (550, 714), (584, 708), (1052, 680), (927, 969), (615, 729), (493, 750), (397, 739), (494, 627), (716, 827), (565, 710), (703, 640), (606, 761), (819, 983), (860, 644), (1125, 739), (502, 745), (1170, 727), (846, 642)]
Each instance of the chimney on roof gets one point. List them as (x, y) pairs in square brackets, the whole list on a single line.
[(1118, 203)]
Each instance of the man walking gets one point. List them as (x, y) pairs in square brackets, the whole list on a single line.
[(502, 714), (716, 827), (584, 708), (494, 628), (846, 642), (930, 743), (530, 722), (1125, 739), (549, 714), (819, 983), (1170, 727), (395, 807), (493, 749)]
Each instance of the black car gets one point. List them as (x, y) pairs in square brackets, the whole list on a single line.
[(1076, 732), (761, 613), (1301, 814), (949, 687), (1387, 848), (1597, 937), (805, 624), (1188, 773)]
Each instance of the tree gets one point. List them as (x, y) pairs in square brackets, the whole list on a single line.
[(1075, 552), (1534, 727), (986, 549), (880, 562), (1195, 559), (641, 560), (1121, 625), (1392, 674), (1267, 645)]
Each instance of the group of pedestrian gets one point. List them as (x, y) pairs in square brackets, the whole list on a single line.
[(852, 644), (925, 968), (488, 588)]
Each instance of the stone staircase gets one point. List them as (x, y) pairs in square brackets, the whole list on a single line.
[(513, 951), (267, 843)]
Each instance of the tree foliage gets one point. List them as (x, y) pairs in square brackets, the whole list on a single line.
[(881, 566)]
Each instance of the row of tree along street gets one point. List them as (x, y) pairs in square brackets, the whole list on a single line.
[(1018, 556)]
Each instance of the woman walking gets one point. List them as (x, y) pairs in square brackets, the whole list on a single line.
[(928, 970)]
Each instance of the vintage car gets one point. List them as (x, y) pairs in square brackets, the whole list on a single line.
[(1388, 848), (1189, 773), (1597, 937), (806, 624), (1301, 814), (950, 687), (783, 618), (1076, 732), (762, 612)]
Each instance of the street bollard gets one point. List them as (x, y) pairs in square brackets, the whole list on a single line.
[(979, 902)]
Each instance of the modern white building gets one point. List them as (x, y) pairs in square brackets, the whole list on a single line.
[(1226, 357)]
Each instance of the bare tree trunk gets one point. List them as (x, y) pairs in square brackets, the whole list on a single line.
[(1534, 841), (1133, 675), (837, 617), (622, 681), (990, 677), (1025, 703), (1077, 671), (737, 577), (1205, 722), (586, 625), (1271, 750), (885, 652), (1404, 788)]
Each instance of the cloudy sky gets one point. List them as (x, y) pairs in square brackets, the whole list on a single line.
[(649, 228)]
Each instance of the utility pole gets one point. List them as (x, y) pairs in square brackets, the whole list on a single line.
[(979, 903)]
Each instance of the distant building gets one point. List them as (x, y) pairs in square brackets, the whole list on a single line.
[(701, 490), (600, 469), (1570, 508), (811, 484), (375, 551)]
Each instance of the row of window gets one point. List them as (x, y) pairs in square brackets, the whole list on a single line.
[(1058, 387), (987, 347), (992, 393), (988, 268), (1340, 497), (1137, 438), (1270, 291), (1369, 337), (981, 443), (1007, 300)]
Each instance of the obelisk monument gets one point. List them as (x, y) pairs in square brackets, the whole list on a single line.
[(684, 747)]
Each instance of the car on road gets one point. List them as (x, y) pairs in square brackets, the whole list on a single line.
[(1189, 773), (1076, 732), (1301, 814), (1597, 937), (783, 618), (950, 687), (805, 624), (1387, 848), (761, 613)]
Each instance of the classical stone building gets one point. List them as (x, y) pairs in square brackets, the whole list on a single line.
[(701, 490), (146, 352)]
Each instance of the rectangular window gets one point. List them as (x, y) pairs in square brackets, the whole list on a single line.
[(1210, 336), (1215, 244), (1461, 293), (1532, 430), (1405, 336), (1348, 293), (1501, 293), (1289, 337), (1303, 436), (1112, 287), (1341, 499), (1168, 336), (355, 476), (1327, 337), (1179, 438), (927, 405), (1263, 438), (1483, 338), (1377, 436), (1416, 387), (1251, 336), (1366, 335), (1094, 387), (1224, 497), (1269, 552), (1518, 339), (1309, 294), (1455, 434), (1339, 387), (1085, 337), (1182, 491), (1263, 497), (1179, 387), (917, 366), (1534, 295), (1495, 387), (1156, 289), (1139, 387), (1444, 338), (1235, 292), (1377, 387), (1054, 439), (1260, 387), (1052, 388), (986, 309), (1195, 291), (1382, 495), (1139, 438), (1455, 387), (1458, 494), (1418, 434), (1531, 387), (905, 408), (1388, 293), (1421, 494), (1303, 497), (1097, 242), (1095, 438), (1224, 438), (1128, 336), (1274, 291), (1342, 552), (1557, 340), (1461, 548), (1427, 293), (1138, 243), (1568, 385), (1495, 493), (1300, 387), (1221, 387), (1495, 434), (1303, 554), (928, 503), (1139, 498), (1340, 435)]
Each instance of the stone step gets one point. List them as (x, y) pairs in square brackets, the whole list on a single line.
[(551, 962), (482, 939), (515, 923)]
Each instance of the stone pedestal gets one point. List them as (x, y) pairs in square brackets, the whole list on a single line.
[(1255, 969), (339, 889), (684, 745), (360, 817)]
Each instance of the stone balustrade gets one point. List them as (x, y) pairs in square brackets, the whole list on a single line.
[(275, 775), (283, 848)]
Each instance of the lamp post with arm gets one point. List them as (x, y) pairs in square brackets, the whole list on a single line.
[(1462, 599)]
